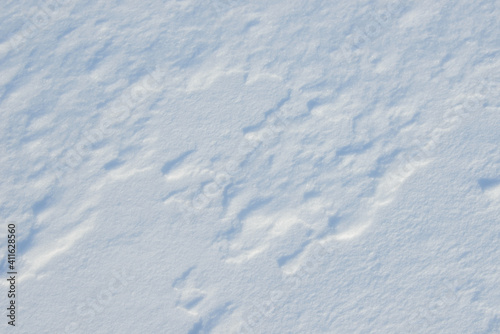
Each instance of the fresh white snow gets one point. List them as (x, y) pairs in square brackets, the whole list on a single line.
[(235, 166)]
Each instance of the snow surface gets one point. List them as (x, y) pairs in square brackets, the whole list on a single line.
[(189, 166)]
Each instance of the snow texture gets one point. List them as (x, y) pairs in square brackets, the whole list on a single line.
[(236, 166)]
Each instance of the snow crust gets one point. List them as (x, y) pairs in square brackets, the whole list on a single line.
[(189, 166)]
